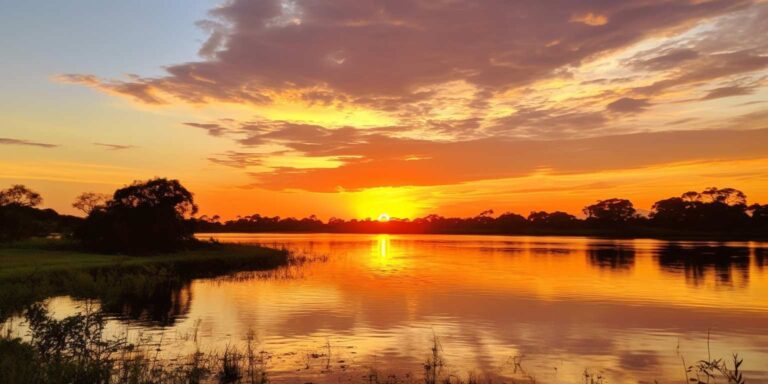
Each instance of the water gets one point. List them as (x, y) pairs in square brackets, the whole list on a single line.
[(630, 310)]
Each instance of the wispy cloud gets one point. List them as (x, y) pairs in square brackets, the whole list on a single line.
[(7, 141), (114, 147)]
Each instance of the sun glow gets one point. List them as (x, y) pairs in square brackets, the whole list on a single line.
[(399, 202), (383, 217)]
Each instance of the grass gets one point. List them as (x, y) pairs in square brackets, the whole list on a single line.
[(34, 270), (75, 350), (39, 256)]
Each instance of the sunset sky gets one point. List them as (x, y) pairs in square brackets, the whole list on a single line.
[(351, 108)]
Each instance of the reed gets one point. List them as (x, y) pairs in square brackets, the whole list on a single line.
[(75, 350)]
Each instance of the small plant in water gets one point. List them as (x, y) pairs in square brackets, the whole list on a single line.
[(708, 370), (434, 364), (231, 371)]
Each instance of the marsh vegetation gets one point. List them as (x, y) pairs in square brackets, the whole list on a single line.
[(75, 350)]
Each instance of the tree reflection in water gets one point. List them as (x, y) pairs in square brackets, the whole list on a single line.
[(696, 262)]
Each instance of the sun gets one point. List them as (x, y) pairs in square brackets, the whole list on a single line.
[(383, 218)]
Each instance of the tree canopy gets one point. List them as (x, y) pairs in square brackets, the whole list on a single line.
[(611, 211), (20, 195), (88, 201), (146, 216)]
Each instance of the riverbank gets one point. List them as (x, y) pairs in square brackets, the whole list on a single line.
[(33, 270), (644, 233)]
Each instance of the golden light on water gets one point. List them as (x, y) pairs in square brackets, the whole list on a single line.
[(383, 241), (386, 260)]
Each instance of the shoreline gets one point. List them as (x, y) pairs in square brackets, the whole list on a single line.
[(33, 271), (597, 235)]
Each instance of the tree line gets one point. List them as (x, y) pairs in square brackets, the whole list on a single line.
[(159, 215), (714, 211)]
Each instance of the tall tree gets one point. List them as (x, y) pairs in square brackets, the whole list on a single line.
[(611, 211), (20, 195), (142, 217), (88, 201)]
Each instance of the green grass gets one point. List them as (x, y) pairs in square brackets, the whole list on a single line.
[(40, 256), (34, 270)]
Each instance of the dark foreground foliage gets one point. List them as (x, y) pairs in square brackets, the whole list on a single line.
[(75, 350)]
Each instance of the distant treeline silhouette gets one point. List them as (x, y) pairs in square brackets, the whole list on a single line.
[(157, 215), (714, 211)]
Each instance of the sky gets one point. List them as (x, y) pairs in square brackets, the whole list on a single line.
[(353, 108)]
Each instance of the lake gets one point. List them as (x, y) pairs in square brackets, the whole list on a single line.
[(548, 308)]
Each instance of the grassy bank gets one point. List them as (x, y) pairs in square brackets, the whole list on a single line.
[(134, 286)]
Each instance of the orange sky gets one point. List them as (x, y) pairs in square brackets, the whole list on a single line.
[(351, 108)]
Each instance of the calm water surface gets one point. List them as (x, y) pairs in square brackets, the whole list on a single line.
[(631, 310)]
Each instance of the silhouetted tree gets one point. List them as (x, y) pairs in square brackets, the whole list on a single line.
[(88, 201), (728, 196), (711, 209), (142, 217), (510, 223), (552, 220), (611, 211), (20, 195), (675, 211), (19, 219)]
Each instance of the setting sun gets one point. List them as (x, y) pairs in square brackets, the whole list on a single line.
[(383, 217)]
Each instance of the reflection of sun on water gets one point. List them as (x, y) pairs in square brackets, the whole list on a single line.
[(383, 259), (383, 245)]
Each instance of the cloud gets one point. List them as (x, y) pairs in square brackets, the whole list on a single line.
[(628, 105), (709, 68), (664, 59), (728, 91), (544, 122), (214, 129), (114, 147), (138, 89), (373, 51), (7, 141), (590, 18), (380, 160), (237, 159), (300, 136)]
